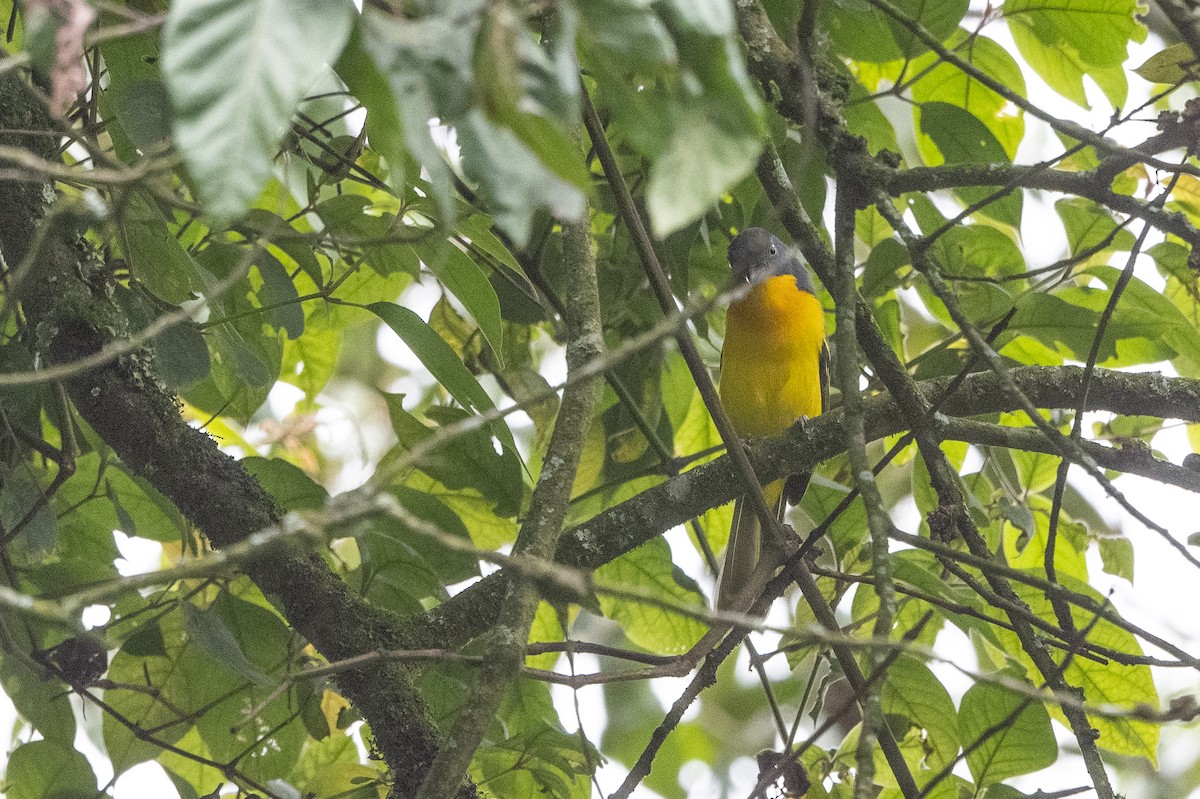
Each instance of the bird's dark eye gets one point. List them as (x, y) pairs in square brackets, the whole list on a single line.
[(772, 249)]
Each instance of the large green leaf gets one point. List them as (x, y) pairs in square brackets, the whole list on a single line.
[(534, 755), (703, 160), (154, 655), (865, 33), (962, 138), (426, 62), (533, 89), (912, 692), (209, 631), (135, 507), (943, 82), (512, 178), (1091, 229), (267, 742), (49, 770), (977, 251), (1066, 40), (310, 360), (236, 70), (1103, 682), (44, 703), (21, 504), (628, 31), (287, 483), (1018, 739), (385, 131), (652, 627), (1146, 326), (354, 217)]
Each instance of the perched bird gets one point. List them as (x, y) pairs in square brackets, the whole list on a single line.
[(774, 371)]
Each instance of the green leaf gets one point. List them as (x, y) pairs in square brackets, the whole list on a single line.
[(922, 571), (962, 138), (1175, 64), (287, 483), (864, 117), (975, 251), (532, 89), (144, 111), (310, 361), (352, 216), (1036, 471), (155, 256), (652, 627), (1090, 226), (865, 33), (468, 461), (534, 756), (912, 692), (244, 367), (49, 770), (458, 272), (488, 529), (135, 103), (943, 82), (278, 293), (1098, 30), (43, 703), (626, 31), (244, 353), (159, 711), (450, 565), (432, 350), (426, 62), (267, 742), (703, 160), (385, 131), (1019, 738), (1064, 326), (1102, 682), (1026, 549), (512, 179), (207, 629), (21, 501), (236, 70), (1068, 39), (181, 355), (1145, 327), (1116, 553), (199, 776)]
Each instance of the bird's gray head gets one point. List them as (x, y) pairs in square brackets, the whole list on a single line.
[(756, 254)]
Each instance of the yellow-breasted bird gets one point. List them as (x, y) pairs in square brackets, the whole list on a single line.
[(774, 371)]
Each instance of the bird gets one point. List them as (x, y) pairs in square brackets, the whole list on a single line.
[(774, 372)]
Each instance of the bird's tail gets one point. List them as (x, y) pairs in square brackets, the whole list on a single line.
[(745, 543)]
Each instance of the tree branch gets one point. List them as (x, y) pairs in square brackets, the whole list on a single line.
[(543, 522), (673, 502)]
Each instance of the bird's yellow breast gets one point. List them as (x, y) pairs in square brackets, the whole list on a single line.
[(770, 363)]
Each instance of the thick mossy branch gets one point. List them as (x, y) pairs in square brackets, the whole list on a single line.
[(66, 297), (675, 501)]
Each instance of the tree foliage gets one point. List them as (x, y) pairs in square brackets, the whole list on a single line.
[(288, 290)]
